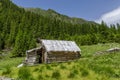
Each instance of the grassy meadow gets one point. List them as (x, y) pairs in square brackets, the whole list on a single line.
[(88, 67)]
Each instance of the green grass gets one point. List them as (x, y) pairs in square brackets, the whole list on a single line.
[(24, 74), (89, 67), (56, 74)]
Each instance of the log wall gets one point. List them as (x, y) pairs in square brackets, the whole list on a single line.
[(62, 56)]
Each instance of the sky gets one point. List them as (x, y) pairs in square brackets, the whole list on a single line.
[(93, 10)]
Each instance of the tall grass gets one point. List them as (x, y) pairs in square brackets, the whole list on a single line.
[(12, 62), (56, 74), (84, 72), (24, 74), (6, 70), (63, 66), (71, 75), (40, 77), (7, 64), (48, 67), (89, 67)]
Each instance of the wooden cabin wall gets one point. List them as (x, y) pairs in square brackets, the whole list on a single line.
[(32, 58), (44, 54), (62, 56)]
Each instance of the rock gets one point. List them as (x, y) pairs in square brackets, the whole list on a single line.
[(5, 78), (20, 65), (116, 49), (111, 50)]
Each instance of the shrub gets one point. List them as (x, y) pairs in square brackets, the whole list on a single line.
[(47, 76), (68, 63), (75, 71), (41, 68), (84, 72), (62, 66), (108, 71), (24, 74), (117, 74), (6, 70), (48, 67), (103, 70), (40, 77), (36, 69), (56, 75), (71, 75), (54, 64)]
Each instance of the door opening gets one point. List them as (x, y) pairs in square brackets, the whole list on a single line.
[(39, 55)]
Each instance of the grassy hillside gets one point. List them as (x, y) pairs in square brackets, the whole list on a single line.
[(89, 67)]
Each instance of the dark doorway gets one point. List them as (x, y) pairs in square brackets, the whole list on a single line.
[(39, 55)]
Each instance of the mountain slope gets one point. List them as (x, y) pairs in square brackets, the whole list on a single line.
[(20, 28), (53, 14)]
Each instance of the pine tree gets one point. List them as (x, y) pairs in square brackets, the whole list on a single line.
[(19, 49)]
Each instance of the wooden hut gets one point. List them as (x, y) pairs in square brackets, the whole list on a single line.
[(53, 51)]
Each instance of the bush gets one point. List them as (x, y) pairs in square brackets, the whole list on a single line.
[(56, 75), (108, 71), (71, 75), (75, 71), (47, 76), (117, 74), (68, 63), (54, 64), (24, 74), (41, 68), (62, 66), (40, 77), (6, 70), (36, 69), (48, 67), (84, 72)]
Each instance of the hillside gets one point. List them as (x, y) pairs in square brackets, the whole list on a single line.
[(55, 15), (19, 28), (89, 67)]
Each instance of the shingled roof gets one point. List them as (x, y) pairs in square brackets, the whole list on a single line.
[(59, 45)]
